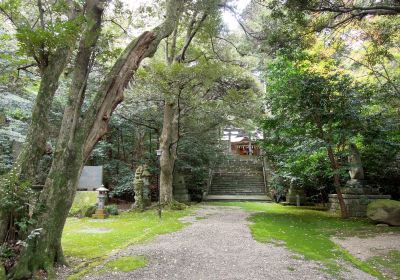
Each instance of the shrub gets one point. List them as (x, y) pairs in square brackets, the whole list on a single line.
[(90, 211), (175, 205), (83, 204), (111, 209)]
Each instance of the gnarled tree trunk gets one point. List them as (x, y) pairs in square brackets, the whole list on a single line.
[(34, 148), (26, 165), (78, 137)]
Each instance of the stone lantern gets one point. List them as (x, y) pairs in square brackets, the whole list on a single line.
[(146, 185), (101, 200)]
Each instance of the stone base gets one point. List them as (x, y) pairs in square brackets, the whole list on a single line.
[(180, 191), (292, 199), (356, 204), (100, 214)]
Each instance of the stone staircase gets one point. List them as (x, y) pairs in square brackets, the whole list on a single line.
[(238, 178)]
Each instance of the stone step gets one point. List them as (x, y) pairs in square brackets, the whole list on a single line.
[(236, 182), (244, 187), (237, 178), (237, 192), (238, 198)]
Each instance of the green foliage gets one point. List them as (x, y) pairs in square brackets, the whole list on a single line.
[(6, 156), (111, 209), (83, 204), (312, 105), (15, 195), (18, 114), (127, 263), (176, 205)]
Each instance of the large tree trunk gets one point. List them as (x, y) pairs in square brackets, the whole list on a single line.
[(55, 200), (78, 137), (38, 132), (26, 165), (168, 146), (34, 148)]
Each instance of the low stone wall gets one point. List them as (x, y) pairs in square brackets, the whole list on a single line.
[(356, 204)]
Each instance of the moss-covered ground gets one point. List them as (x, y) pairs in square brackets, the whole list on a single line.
[(307, 231), (93, 241)]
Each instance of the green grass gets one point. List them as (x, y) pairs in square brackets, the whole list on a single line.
[(127, 263), (94, 240), (307, 232)]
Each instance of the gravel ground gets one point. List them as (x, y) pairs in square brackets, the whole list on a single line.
[(364, 248), (219, 246)]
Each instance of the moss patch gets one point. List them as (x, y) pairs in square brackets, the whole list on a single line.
[(117, 232), (308, 232), (127, 263)]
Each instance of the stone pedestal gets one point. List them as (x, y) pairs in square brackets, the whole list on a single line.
[(294, 194), (99, 214), (356, 204), (180, 191)]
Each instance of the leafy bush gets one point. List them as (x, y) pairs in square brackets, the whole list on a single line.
[(6, 156), (111, 209), (18, 114), (175, 205), (14, 196), (90, 211), (83, 204)]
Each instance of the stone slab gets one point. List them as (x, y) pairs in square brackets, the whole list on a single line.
[(91, 178)]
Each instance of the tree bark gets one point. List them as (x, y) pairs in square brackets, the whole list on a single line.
[(4, 221), (55, 200), (34, 147), (334, 166), (168, 145), (336, 181), (78, 137)]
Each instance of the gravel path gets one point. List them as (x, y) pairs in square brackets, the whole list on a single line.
[(364, 248), (219, 246)]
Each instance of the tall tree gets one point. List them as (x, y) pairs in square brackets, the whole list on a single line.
[(49, 40), (310, 100), (78, 134), (191, 20)]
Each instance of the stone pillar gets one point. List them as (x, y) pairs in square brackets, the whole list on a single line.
[(138, 188), (296, 195), (146, 186)]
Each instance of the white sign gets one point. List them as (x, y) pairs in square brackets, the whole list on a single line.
[(91, 178)]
